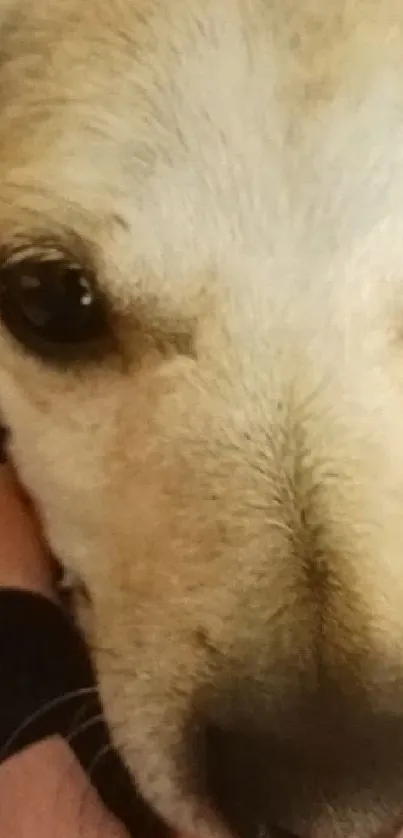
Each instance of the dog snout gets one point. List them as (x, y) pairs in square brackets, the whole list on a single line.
[(317, 774)]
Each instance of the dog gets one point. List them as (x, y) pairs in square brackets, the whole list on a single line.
[(201, 343)]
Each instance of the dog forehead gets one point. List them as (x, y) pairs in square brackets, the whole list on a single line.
[(262, 138)]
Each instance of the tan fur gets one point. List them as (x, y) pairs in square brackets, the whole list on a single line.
[(229, 485)]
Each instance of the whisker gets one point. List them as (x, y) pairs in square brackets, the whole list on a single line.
[(103, 752), (38, 714), (85, 726), (88, 792), (77, 718)]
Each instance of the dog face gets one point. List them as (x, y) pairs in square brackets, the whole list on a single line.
[(201, 240)]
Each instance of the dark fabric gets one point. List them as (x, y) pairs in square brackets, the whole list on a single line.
[(47, 687), (46, 679)]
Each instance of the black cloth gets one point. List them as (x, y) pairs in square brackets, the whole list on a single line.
[(47, 687), (46, 680)]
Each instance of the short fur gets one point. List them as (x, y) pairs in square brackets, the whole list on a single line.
[(229, 484)]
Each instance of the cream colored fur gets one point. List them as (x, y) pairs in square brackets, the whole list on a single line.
[(234, 169)]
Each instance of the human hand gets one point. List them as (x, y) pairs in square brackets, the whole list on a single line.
[(44, 791), (24, 558)]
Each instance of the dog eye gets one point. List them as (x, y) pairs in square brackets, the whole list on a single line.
[(52, 308)]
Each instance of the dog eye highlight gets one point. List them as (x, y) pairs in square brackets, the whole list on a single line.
[(53, 308)]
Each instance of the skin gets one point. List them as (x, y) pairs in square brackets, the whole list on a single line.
[(43, 789)]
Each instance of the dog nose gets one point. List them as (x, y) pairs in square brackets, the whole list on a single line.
[(239, 783), (348, 781)]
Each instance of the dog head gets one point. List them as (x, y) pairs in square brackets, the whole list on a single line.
[(201, 299)]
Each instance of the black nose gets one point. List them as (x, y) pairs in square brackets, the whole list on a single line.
[(240, 782), (336, 780)]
